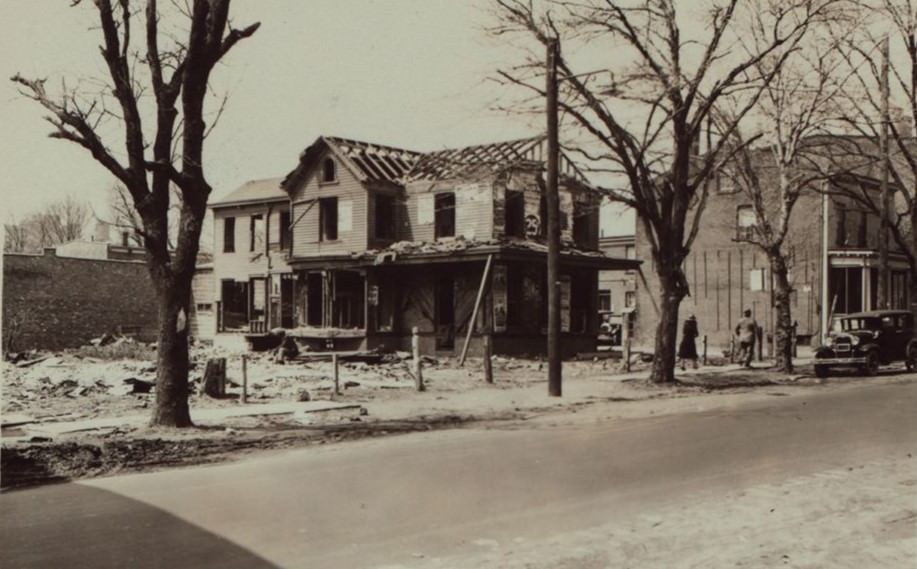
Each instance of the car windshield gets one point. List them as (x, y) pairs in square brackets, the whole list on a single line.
[(854, 324)]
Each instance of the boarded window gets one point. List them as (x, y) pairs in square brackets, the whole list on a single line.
[(256, 233), (328, 219), (229, 235), (745, 223), (385, 216), (284, 229), (445, 215), (514, 212)]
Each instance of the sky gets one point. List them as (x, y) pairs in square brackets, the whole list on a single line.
[(415, 74)]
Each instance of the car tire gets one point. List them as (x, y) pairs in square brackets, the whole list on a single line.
[(821, 371), (871, 367)]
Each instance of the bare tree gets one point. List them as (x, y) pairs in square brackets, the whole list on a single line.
[(897, 21), (797, 114), (15, 236), (672, 83), (175, 73), (58, 222)]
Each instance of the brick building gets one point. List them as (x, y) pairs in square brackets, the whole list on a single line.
[(53, 302), (383, 239), (833, 246)]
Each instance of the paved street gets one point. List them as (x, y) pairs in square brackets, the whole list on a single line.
[(403, 500)]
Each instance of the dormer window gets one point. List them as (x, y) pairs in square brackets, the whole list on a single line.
[(329, 171)]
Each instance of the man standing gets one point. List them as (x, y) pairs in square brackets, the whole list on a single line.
[(745, 330)]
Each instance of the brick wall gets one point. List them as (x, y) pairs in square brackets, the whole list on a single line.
[(54, 302)]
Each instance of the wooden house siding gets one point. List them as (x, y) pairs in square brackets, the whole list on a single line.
[(305, 213), (473, 209), (203, 304), (243, 262)]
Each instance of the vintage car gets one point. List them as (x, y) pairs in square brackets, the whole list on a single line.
[(866, 340)]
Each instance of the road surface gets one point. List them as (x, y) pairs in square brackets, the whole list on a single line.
[(393, 501)]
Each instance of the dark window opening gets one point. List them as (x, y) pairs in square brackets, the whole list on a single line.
[(514, 211), (284, 229), (256, 233), (445, 313), (605, 300), (861, 230), (385, 216), (329, 170), (845, 289), (314, 299), (581, 230), (229, 235), (234, 298), (444, 205), (328, 219), (348, 302)]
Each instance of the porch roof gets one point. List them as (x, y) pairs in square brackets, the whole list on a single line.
[(570, 258)]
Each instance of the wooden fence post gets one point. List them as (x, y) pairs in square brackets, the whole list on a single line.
[(704, 357), (334, 364), (488, 354), (244, 378), (415, 352)]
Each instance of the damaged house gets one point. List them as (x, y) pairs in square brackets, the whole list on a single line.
[(361, 243)]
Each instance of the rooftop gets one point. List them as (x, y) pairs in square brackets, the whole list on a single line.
[(253, 191)]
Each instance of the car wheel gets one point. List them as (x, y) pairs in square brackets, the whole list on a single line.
[(821, 371), (871, 367)]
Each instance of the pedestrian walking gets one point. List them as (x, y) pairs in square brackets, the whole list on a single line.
[(687, 350), (745, 332)]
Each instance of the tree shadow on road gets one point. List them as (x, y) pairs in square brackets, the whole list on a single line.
[(77, 526)]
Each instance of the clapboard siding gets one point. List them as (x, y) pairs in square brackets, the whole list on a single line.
[(243, 262), (203, 297), (306, 213), (473, 209)]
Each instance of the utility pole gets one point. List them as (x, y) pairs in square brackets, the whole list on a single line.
[(882, 282), (553, 226)]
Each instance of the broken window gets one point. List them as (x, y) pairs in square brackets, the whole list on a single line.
[(256, 233), (348, 302), (329, 171), (328, 219), (514, 211), (745, 223), (229, 235), (385, 216), (444, 221), (284, 230)]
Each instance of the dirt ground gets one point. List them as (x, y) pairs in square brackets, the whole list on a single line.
[(100, 383)]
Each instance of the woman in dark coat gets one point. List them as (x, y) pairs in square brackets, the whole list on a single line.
[(687, 350)]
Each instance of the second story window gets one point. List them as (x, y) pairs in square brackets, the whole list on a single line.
[(745, 223), (581, 229), (384, 217), (514, 211), (256, 233), (444, 206), (229, 235), (327, 219), (284, 230), (329, 171)]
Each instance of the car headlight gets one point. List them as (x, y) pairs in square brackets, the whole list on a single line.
[(854, 340)]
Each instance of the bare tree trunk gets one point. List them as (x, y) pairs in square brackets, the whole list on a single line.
[(783, 328), (172, 355), (671, 294)]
